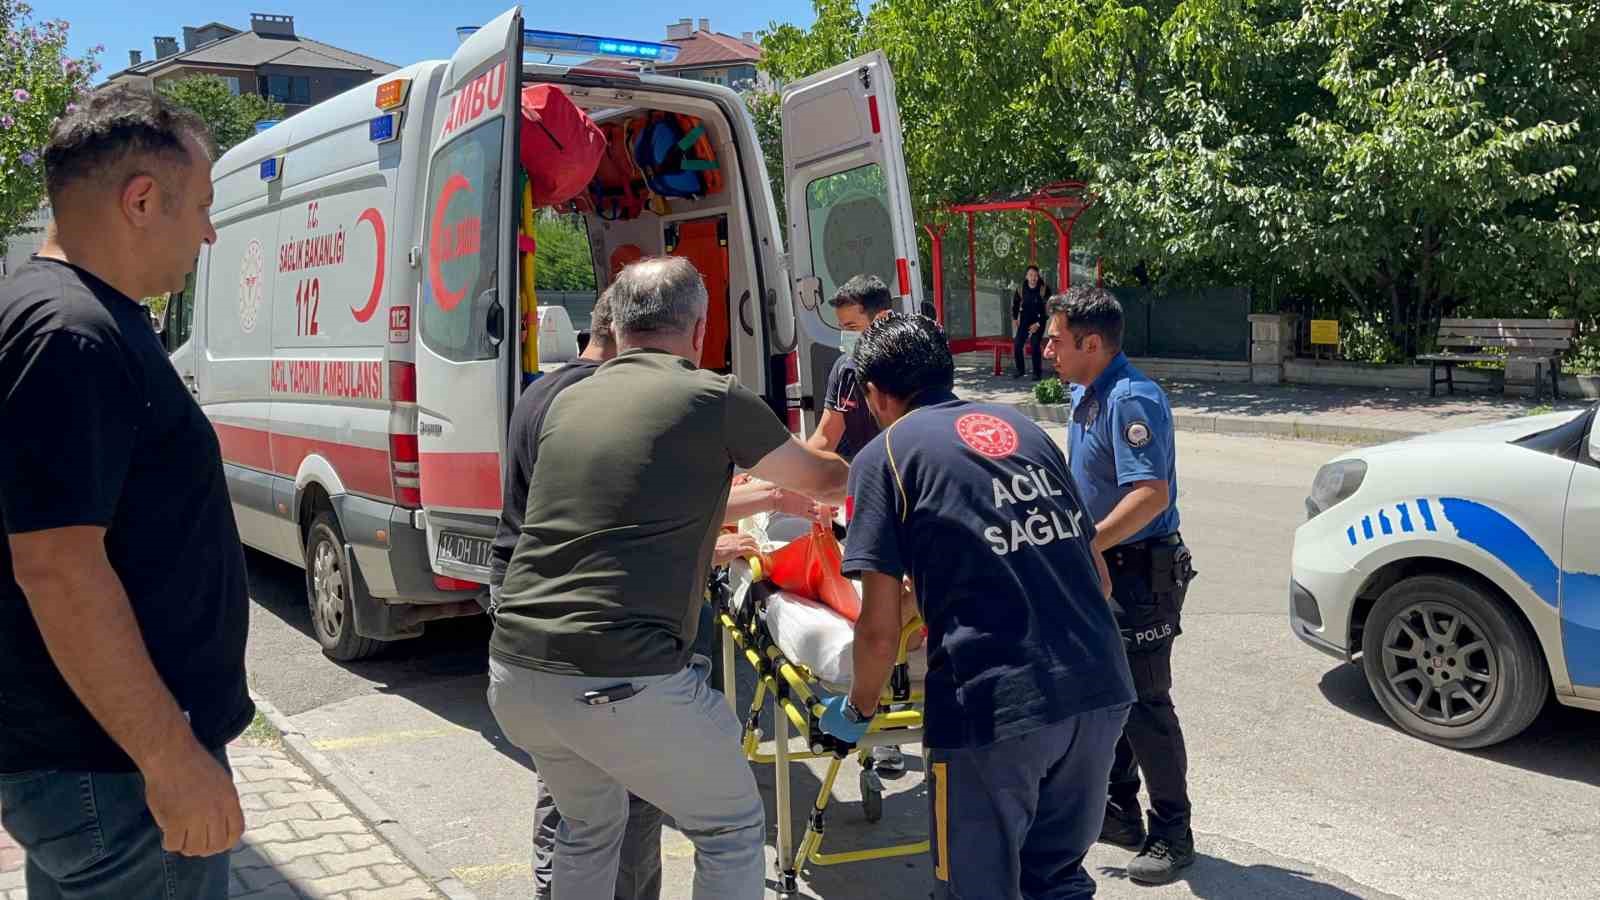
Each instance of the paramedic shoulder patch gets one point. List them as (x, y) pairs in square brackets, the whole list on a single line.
[(1137, 434), (990, 436)]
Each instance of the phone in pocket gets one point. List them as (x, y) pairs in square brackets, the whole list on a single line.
[(614, 694)]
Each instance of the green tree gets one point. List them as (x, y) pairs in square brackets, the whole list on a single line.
[(41, 82), (231, 117), (564, 262), (1395, 159)]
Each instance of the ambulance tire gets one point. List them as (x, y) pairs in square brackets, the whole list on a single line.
[(331, 593)]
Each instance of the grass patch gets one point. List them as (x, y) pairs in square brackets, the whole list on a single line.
[(1541, 409), (261, 731)]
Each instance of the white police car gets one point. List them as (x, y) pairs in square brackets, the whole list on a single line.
[(1463, 571)]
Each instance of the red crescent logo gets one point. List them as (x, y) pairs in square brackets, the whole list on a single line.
[(374, 217), (447, 299), (991, 436)]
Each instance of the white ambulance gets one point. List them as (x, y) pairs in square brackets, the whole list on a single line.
[(353, 332)]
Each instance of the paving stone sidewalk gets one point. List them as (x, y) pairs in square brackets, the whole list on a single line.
[(1345, 415), (303, 840)]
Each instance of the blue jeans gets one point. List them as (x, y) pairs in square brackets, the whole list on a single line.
[(90, 835), (1016, 818)]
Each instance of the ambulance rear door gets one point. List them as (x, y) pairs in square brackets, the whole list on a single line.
[(467, 303), (849, 202)]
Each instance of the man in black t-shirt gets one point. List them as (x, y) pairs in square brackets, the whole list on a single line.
[(1028, 686), (123, 605), (846, 426)]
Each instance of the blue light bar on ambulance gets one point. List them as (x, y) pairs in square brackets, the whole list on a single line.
[(272, 169), (384, 128), (561, 43)]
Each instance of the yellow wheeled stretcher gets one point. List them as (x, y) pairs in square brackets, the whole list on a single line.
[(744, 609)]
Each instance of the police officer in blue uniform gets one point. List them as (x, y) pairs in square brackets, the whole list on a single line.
[(1028, 685), (1124, 459)]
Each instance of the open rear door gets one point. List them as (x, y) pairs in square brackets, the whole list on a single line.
[(467, 338), (849, 203)]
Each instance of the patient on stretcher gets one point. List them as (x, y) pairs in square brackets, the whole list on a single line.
[(809, 632)]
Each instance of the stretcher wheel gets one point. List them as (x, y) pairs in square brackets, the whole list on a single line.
[(871, 795)]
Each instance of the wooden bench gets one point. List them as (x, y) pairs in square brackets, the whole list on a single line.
[(1541, 341)]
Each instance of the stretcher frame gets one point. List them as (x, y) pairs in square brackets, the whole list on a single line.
[(793, 691)]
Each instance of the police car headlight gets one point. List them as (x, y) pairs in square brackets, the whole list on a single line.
[(1335, 483)]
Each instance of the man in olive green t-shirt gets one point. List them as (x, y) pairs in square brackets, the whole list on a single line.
[(591, 670)]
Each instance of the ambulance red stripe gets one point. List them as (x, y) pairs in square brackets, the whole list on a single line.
[(461, 480), (363, 470)]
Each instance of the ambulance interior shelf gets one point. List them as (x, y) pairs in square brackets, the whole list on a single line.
[(617, 167)]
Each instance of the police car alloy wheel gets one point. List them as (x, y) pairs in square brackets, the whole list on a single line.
[(330, 593), (1449, 663)]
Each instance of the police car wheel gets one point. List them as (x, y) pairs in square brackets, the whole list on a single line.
[(331, 594), (1451, 663)]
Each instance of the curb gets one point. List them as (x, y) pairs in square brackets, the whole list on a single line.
[(298, 746), (1296, 429)]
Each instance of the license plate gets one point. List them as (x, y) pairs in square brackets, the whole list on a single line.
[(464, 549)]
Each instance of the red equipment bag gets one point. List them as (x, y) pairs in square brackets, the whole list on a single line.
[(561, 145), (618, 191), (809, 567)]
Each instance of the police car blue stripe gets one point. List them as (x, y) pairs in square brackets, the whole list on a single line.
[(1383, 522), (1405, 518), (1351, 531), (1427, 514), (1366, 527)]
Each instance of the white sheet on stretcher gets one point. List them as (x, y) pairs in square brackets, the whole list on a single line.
[(808, 632)]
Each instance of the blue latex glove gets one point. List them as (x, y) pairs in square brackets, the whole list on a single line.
[(835, 722)]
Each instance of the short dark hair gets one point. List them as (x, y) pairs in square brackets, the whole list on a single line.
[(904, 356), (119, 131), (1090, 310), (866, 291)]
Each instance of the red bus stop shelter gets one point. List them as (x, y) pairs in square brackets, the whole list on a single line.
[(1060, 203)]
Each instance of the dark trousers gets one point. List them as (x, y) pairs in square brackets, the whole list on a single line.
[(1152, 742), (1023, 339), (1013, 820), (90, 835)]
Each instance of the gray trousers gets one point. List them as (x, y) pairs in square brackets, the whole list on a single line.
[(639, 869), (675, 745)]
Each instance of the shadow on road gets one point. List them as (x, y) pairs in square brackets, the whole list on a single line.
[(1560, 743), (1213, 877)]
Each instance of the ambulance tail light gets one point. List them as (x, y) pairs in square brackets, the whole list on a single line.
[(446, 583), (405, 460)]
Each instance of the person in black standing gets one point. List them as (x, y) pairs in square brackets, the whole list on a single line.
[(123, 602), (1027, 319)]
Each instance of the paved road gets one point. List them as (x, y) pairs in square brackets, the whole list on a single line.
[(1302, 789)]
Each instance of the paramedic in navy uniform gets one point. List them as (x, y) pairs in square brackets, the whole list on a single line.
[(1125, 461), (1028, 686)]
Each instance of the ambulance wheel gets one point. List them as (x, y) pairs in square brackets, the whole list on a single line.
[(331, 593), (871, 795)]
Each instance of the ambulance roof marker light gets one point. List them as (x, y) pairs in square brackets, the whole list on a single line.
[(392, 93), (561, 43)]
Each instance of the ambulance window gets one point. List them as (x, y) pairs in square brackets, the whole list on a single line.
[(180, 316), (462, 245), (851, 232)]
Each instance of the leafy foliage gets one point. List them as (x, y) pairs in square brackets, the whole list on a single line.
[(231, 117), (564, 260), (1389, 160), (1049, 392), (41, 82)]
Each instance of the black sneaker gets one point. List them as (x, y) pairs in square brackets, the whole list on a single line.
[(1161, 858), (1123, 828)]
